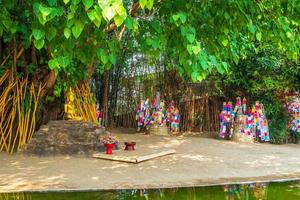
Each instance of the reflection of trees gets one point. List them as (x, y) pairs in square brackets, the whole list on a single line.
[(254, 191), (245, 191), (107, 195), (15, 196)]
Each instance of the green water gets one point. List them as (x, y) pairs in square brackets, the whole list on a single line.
[(276, 191)]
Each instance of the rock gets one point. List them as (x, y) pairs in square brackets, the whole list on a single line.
[(65, 137)]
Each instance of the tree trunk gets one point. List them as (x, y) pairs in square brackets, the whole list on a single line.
[(105, 97), (33, 56)]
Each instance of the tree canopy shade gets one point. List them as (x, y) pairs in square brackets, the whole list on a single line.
[(78, 37)]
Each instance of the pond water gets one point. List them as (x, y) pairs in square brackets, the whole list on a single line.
[(276, 191)]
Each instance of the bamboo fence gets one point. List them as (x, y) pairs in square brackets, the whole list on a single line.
[(197, 115)]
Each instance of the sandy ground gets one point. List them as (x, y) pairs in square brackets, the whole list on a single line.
[(198, 162)]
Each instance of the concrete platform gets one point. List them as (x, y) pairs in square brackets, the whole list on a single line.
[(197, 162), (135, 157)]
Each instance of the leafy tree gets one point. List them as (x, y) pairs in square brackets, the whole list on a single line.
[(64, 42), (199, 36)]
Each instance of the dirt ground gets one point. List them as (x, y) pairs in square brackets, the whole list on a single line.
[(197, 162)]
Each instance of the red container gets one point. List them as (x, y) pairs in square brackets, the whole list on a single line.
[(129, 146), (109, 148)]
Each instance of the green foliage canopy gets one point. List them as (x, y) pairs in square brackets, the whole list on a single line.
[(197, 36)]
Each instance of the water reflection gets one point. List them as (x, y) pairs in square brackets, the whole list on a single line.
[(253, 191), (245, 191)]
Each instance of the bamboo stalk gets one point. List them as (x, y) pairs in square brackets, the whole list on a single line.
[(36, 98), (17, 128)]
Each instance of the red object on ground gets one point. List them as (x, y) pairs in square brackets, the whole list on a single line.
[(129, 146), (109, 148)]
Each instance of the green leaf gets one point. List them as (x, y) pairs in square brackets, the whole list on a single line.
[(148, 41), (45, 11), (66, 1), (201, 77), (190, 37), (112, 59), (52, 2), (195, 67), (213, 60), (51, 33), (53, 64), (129, 23), (70, 23), (190, 49), (258, 36), (87, 3), (38, 33), (143, 3), (95, 16), (150, 4), (220, 68), (119, 20), (75, 2), (195, 76), (196, 49), (120, 15), (175, 17), (204, 64), (104, 59), (77, 29), (182, 17), (135, 26), (252, 28), (225, 66), (225, 42), (98, 16), (63, 61), (91, 15), (108, 13), (71, 15), (101, 54), (82, 56), (155, 24), (155, 43), (7, 23), (39, 43), (120, 9), (67, 32), (226, 31), (183, 30), (97, 22)]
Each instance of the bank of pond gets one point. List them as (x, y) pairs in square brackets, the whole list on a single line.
[(251, 191)]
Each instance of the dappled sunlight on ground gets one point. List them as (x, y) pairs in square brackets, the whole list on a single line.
[(115, 165), (17, 182), (197, 161), (196, 157)]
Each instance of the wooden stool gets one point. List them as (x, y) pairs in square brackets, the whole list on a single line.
[(129, 146)]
